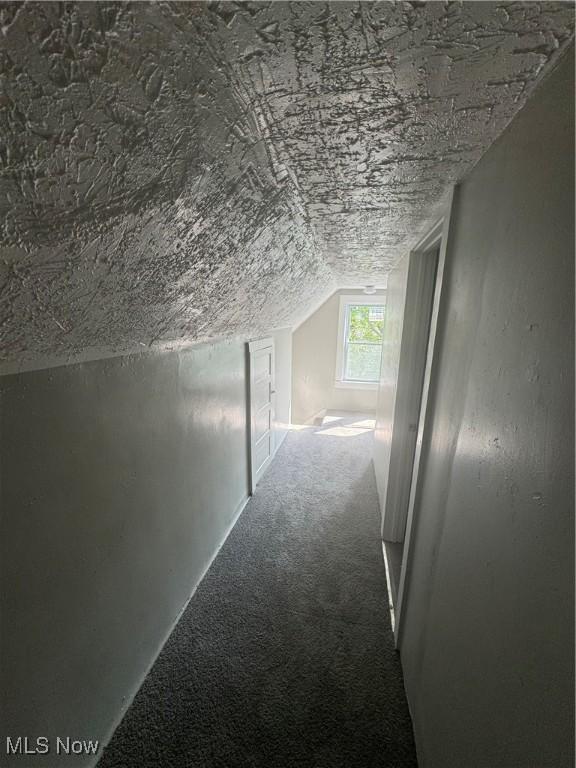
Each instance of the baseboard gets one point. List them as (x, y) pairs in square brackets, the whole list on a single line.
[(280, 436), (389, 585), (314, 420), (238, 511)]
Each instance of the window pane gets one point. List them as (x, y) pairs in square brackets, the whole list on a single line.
[(365, 322), (363, 362)]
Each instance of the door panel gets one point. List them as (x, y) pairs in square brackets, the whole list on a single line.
[(261, 394), (262, 423), (262, 363), (262, 454)]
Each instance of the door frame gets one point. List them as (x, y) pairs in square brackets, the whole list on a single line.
[(438, 237), (255, 346), (412, 356)]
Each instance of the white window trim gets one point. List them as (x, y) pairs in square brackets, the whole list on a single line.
[(340, 381)]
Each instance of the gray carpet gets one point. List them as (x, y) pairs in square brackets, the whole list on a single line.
[(284, 657)]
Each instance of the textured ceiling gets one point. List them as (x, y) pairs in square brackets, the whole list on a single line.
[(180, 171)]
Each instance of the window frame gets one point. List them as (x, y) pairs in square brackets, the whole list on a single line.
[(346, 301)]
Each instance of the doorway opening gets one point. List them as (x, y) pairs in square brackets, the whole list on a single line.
[(336, 356), (409, 360)]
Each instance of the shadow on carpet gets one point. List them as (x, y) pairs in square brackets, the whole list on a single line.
[(284, 657)]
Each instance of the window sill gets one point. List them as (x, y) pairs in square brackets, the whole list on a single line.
[(369, 385)]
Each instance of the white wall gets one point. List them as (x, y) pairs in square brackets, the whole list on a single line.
[(314, 366), (120, 479), (487, 643), (283, 365)]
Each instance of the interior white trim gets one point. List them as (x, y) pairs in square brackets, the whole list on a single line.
[(345, 300), (433, 236), (349, 384), (257, 344), (130, 698), (412, 355), (440, 234), (389, 587)]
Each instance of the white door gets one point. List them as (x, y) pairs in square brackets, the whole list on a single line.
[(262, 401)]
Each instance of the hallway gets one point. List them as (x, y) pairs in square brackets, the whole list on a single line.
[(226, 227), (284, 656)]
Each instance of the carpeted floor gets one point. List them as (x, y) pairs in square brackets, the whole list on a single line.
[(284, 657)]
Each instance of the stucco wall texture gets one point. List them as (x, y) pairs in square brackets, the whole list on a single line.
[(487, 643), (178, 172)]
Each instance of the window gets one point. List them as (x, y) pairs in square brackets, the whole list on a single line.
[(359, 341)]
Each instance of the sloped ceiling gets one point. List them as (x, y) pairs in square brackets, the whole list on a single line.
[(178, 172)]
